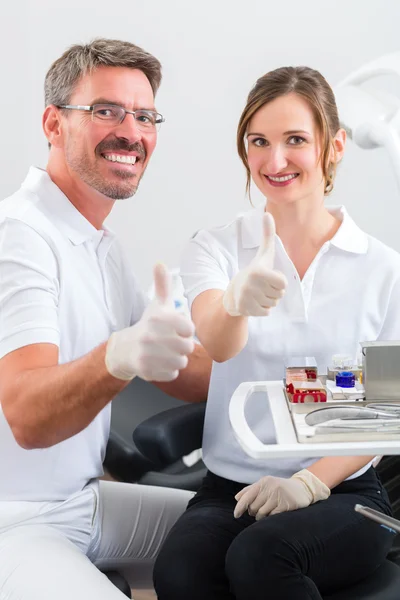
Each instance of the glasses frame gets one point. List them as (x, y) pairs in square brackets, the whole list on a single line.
[(90, 108)]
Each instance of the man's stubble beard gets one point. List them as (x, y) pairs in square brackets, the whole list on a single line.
[(87, 171), (112, 190)]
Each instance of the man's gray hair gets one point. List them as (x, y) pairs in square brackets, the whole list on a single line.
[(79, 60)]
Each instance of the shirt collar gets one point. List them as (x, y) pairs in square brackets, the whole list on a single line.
[(63, 213), (349, 236)]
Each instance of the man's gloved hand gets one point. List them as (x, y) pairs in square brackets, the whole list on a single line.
[(257, 288), (273, 495), (157, 347)]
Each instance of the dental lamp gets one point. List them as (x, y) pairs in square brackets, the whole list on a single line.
[(372, 118)]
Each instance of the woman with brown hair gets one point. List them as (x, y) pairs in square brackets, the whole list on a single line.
[(316, 285)]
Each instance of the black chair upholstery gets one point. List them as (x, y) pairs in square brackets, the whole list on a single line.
[(167, 436), (154, 416), (165, 439), (118, 580)]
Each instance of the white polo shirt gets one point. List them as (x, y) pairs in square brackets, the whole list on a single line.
[(350, 293), (65, 283)]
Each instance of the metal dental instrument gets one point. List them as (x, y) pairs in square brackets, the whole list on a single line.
[(358, 426), (364, 423), (346, 413), (391, 407), (379, 517)]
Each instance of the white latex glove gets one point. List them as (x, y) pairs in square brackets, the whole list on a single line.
[(273, 495), (257, 287), (157, 347)]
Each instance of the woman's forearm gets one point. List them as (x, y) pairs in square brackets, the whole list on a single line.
[(222, 336), (332, 470)]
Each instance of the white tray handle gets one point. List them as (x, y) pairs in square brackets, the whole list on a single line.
[(287, 444)]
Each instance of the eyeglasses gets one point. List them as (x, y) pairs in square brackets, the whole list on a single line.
[(112, 115)]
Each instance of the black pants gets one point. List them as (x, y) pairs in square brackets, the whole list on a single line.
[(296, 555)]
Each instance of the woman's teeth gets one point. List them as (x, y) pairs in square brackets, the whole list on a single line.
[(283, 178)]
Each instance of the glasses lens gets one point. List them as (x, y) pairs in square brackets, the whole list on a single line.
[(108, 113), (148, 120)]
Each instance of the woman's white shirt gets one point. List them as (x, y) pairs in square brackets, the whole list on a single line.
[(350, 293)]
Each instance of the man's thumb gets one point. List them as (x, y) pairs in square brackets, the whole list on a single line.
[(162, 284)]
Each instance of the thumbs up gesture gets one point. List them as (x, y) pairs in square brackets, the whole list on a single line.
[(257, 288), (157, 347)]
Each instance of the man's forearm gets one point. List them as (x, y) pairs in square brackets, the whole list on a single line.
[(51, 404), (332, 470)]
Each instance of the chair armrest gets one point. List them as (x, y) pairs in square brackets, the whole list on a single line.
[(124, 461), (189, 480), (171, 434)]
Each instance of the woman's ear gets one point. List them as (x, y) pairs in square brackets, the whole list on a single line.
[(339, 144)]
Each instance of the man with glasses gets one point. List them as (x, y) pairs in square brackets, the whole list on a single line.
[(74, 330)]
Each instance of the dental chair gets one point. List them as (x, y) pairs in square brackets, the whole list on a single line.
[(151, 432), (177, 431)]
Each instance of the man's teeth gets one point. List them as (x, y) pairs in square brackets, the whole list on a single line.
[(121, 158), (284, 178)]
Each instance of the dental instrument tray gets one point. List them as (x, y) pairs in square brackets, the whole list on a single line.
[(342, 422), (359, 421), (359, 413)]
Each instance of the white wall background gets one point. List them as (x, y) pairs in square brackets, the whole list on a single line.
[(212, 52)]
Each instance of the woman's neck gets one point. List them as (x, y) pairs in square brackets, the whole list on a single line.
[(303, 230)]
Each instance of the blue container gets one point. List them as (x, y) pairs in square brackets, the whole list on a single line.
[(345, 379)]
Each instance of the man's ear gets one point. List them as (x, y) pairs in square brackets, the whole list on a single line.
[(51, 123), (339, 143)]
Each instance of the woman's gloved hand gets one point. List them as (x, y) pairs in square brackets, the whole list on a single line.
[(257, 288), (157, 347), (273, 495)]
